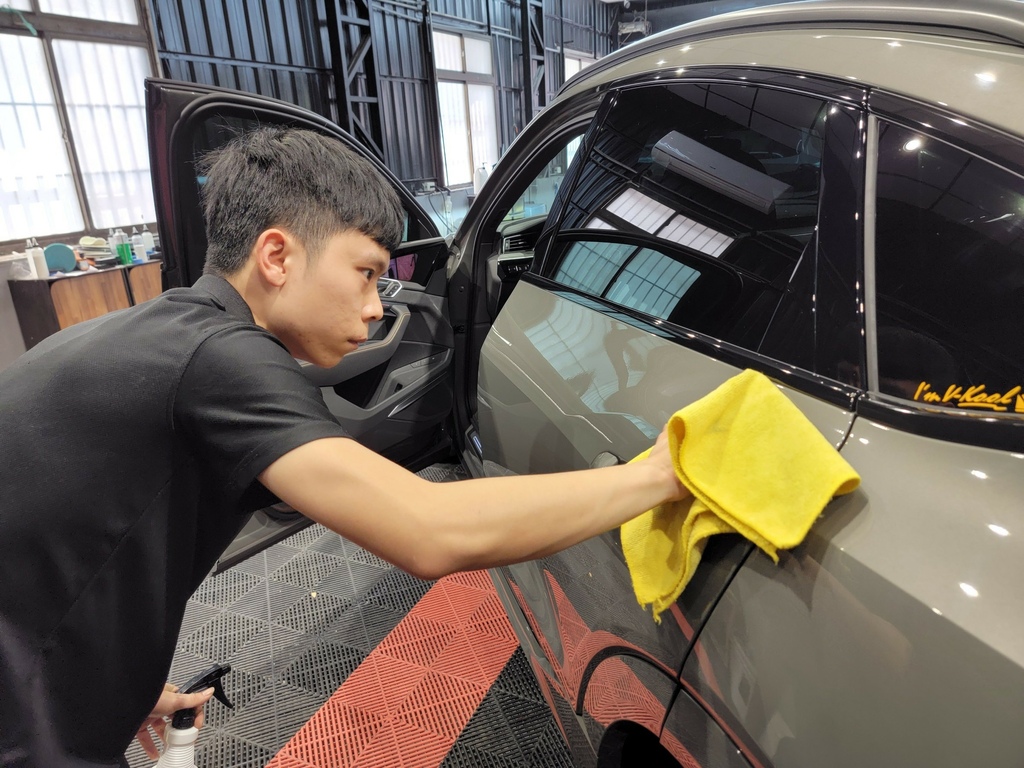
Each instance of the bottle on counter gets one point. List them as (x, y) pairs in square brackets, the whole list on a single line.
[(147, 239), (138, 247), (124, 248), (38, 258)]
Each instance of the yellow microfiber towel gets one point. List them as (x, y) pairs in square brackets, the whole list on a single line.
[(754, 464)]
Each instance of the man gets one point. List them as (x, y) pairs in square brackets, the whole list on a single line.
[(133, 447)]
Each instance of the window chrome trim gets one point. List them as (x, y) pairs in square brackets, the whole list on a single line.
[(870, 190)]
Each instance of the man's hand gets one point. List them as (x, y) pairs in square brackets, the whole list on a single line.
[(170, 701), (661, 457)]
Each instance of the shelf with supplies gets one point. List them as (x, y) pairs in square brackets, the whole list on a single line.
[(45, 306)]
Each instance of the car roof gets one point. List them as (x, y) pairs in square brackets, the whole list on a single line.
[(966, 59)]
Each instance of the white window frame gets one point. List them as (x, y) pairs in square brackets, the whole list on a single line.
[(50, 27), (482, 150)]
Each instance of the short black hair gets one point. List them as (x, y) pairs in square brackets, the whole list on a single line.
[(305, 182)]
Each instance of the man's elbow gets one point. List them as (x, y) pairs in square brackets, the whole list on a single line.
[(430, 566), (439, 553)]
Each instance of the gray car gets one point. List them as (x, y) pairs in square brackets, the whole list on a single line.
[(829, 193)]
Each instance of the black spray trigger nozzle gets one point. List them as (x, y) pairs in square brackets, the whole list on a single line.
[(210, 677)]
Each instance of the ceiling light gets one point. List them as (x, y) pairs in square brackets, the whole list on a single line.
[(913, 145), (985, 77), (998, 530)]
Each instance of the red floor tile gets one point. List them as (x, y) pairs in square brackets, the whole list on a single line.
[(412, 696)]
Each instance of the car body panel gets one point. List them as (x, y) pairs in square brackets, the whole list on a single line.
[(892, 635), (560, 384), (841, 656)]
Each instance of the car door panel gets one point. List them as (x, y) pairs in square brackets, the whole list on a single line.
[(394, 394), (562, 380), (841, 654)]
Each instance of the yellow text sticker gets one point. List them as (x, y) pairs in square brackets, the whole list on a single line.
[(977, 397)]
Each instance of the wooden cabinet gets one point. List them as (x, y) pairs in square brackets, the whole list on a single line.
[(46, 306), (145, 281)]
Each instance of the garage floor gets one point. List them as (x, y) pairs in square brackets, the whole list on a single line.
[(340, 659)]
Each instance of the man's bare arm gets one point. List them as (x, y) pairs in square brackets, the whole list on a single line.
[(432, 529)]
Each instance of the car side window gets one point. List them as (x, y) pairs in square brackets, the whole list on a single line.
[(700, 179), (949, 265), (537, 198)]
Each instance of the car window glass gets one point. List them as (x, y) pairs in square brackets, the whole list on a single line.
[(536, 199), (723, 174), (819, 322), (949, 265)]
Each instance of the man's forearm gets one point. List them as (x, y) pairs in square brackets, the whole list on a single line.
[(496, 521), (431, 529)]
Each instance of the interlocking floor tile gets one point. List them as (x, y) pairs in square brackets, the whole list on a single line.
[(489, 730), (324, 667), (308, 569), (224, 588), (229, 750), (268, 599), (270, 652), (365, 576), (313, 612), (417, 701), (220, 637)]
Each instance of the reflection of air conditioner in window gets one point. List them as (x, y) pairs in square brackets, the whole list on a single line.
[(729, 177)]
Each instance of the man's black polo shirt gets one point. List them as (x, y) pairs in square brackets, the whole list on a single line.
[(129, 451)]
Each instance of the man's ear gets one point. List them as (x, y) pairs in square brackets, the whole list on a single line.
[(273, 255)]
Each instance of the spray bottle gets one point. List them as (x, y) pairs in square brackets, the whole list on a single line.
[(180, 737)]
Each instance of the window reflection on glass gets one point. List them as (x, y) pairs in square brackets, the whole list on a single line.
[(722, 174), (37, 192), (637, 278), (103, 90), (122, 11)]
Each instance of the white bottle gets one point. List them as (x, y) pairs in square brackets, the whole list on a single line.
[(479, 177), (138, 247), (38, 257), (180, 751), (147, 239)]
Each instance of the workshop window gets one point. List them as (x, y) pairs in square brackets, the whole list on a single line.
[(466, 105), (949, 275), (74, 154)]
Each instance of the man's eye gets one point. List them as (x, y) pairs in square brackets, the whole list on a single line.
[(369, 273)]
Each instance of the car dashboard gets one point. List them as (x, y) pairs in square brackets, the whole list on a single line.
[(516, 241)]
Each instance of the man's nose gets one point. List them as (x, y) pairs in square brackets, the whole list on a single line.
[(373, 310)]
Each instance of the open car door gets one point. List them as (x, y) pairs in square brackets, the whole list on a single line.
[(393, 394)]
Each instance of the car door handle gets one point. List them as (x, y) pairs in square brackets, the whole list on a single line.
[(606, 459)]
